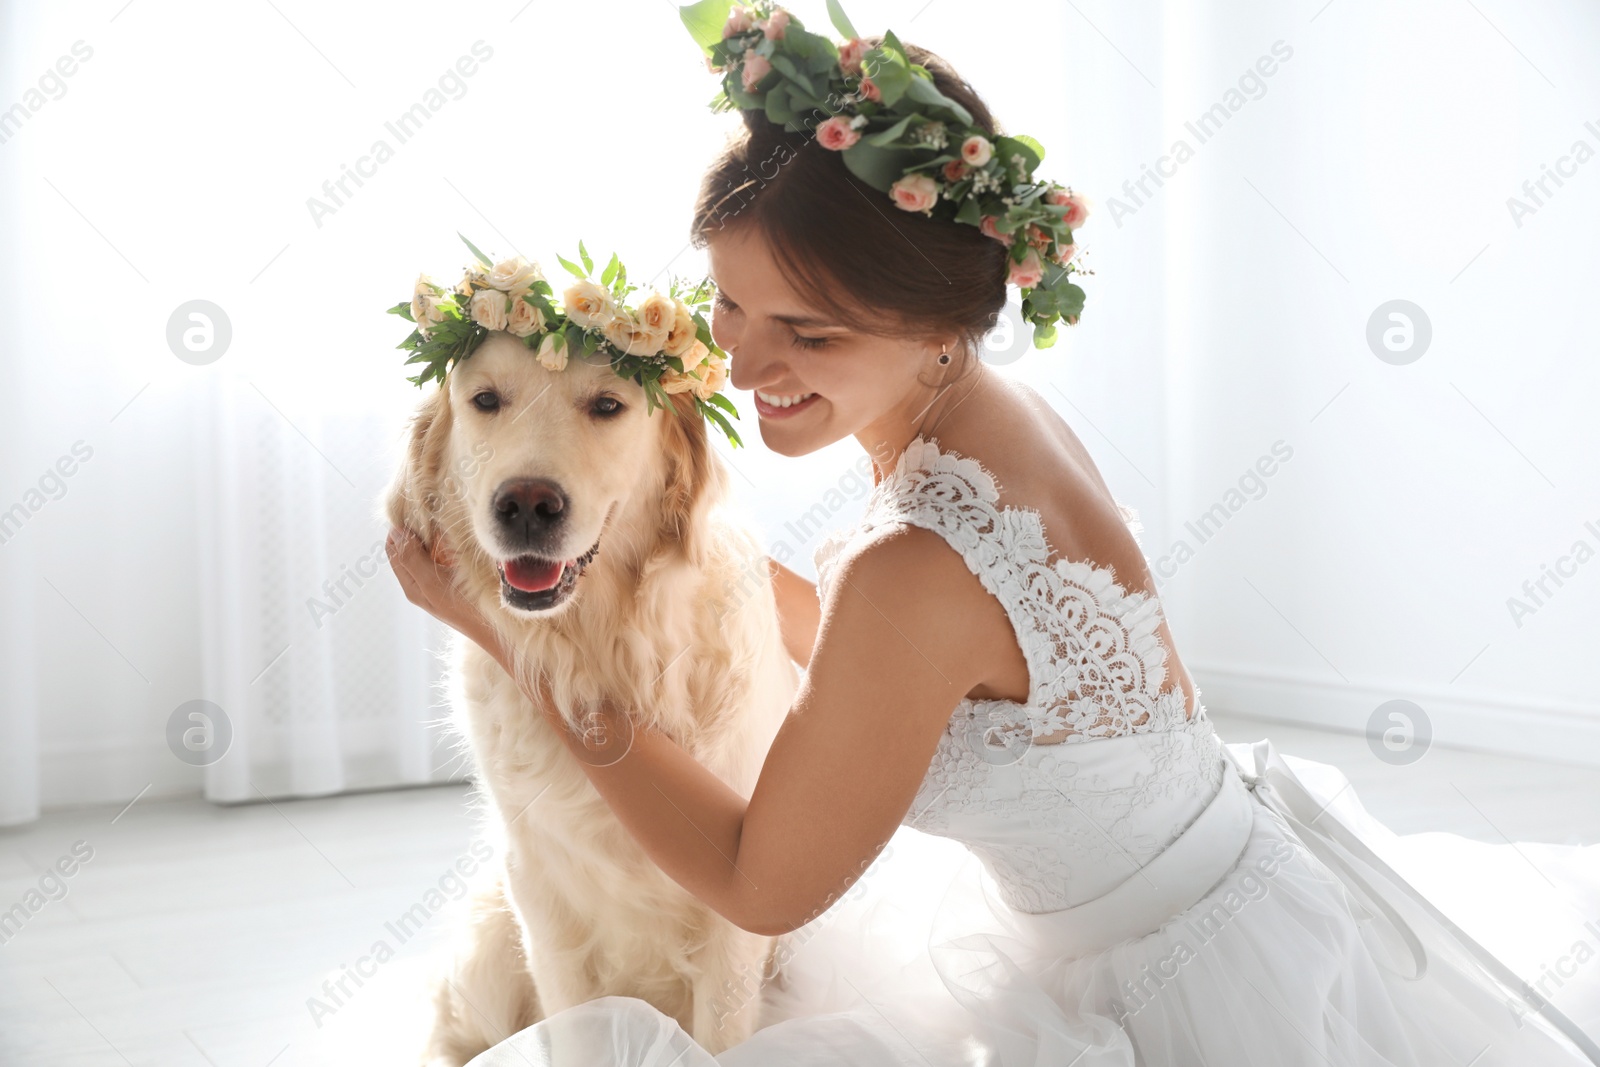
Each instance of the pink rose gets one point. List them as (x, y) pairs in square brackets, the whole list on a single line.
[(955, 170), (850, 54), (1064, 255), (869, 90), (756, 67), (977, 150), (1077, 205), (739, 21), (836, 135), (773, 27), (987, 226), (915, 192), (1028, 273)]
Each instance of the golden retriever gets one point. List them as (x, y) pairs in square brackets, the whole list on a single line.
[(596, 538)]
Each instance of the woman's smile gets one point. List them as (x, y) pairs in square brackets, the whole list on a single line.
[(782, 405)]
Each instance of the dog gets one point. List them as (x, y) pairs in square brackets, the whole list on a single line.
[(597, 539)]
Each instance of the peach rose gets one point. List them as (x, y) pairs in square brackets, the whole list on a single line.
[(869, 90), (1077, 204), (673, 382), (836, 134), (1064, 255), (524, 318), (774, 27), (552, 353), (915, 192), (755, 68), (630, 335), (987, 226), (1028, 273), (740, 20), (425, 305), (850, 54), (588, 304), (977, 150), (488, 309), (955, 170), (683, 331), (656, 315), (713, 373)]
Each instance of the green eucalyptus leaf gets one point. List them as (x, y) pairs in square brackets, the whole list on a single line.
[(841, 21), (923, 91), (878, 167), (704, 21), (481, 257), (1044, 334)]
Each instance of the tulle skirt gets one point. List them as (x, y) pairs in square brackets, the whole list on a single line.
[(1289, 928)]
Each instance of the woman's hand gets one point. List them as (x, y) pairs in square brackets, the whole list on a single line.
[(428, 581)]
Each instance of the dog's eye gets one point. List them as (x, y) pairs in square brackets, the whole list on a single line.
[(486, 401), (605, 406)]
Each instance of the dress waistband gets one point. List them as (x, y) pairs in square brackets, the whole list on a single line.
[(1166, 886)]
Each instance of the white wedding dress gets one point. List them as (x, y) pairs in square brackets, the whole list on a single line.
[(1139, 893)]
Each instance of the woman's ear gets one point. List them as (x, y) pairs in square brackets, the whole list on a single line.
[(414, 500), (696, 481)]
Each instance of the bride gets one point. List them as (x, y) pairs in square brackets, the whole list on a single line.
[(987, 661)]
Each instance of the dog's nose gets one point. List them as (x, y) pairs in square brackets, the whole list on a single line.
[(529, 507)]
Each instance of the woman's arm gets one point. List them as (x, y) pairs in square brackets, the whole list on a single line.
[(907, 631), (799, 611)]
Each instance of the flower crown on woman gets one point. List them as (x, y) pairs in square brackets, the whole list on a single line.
[(663, 342), (898, 133)]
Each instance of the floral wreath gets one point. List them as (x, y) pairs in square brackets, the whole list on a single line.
[(898, 133), (663, 343)]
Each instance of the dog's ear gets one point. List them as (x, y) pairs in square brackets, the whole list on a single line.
[(414, 501), (696, 479)]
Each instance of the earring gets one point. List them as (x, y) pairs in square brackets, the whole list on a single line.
[(944, 356)]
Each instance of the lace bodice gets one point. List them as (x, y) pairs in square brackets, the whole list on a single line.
[(1069, 792)]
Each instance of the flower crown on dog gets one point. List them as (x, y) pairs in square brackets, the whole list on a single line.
[(663, 343), (898, 133)]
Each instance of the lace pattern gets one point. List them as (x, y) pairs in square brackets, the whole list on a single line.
[(1054, 823)]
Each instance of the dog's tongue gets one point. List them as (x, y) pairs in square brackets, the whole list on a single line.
[(533, 575)]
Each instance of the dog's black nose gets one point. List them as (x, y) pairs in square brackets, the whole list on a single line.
[(528, 508)]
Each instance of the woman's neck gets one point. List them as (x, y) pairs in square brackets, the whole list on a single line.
[(921, 414)]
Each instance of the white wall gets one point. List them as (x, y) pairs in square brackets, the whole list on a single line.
[(1216, 326)]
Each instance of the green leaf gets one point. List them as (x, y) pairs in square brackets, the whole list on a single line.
[(970, 212), (705, 20), (572, 268), (611, 270), (1038, 149), (923, 91), (878, 167), (887, 67), (724, 403), (1006, 147), (1044, 334), (403, 310), (784, 65), (583, 254), (840, 20), (481, 257), (892, 134)]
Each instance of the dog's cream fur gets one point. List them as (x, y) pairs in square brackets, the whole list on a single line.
[(672, 620)]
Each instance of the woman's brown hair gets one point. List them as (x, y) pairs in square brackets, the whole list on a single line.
[(843, 244)]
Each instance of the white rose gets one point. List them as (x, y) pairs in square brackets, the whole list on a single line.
[(682, 334), (425, 305), (489, 309), (589, 304), (693, 361), (514, 275), (524, 319), (630, 335), (552, 354)]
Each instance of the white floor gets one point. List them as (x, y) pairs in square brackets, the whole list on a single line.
[(200, 935)]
